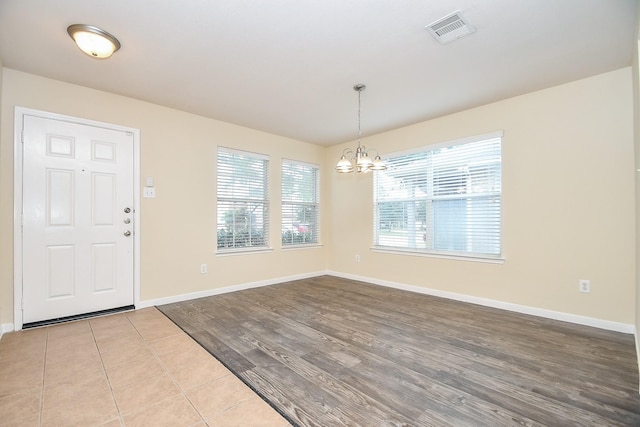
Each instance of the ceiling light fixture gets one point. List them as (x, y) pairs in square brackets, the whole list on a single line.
[(359, 160), (93, 41)]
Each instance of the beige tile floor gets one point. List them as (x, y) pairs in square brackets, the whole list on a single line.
[(127, 369)]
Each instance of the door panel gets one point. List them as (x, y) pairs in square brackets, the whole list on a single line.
[(77, 182), (103, 260), (59, 193), (104, 199), (60, 267)]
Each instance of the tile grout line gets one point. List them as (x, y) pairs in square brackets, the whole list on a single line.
[(170, 374), (146, 331), (44, 373), (104, 369), (164, 368), (288, 421)]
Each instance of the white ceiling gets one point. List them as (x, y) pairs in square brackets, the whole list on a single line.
[(288, 66)]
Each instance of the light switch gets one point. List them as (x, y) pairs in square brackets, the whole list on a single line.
[(149, 193), (150, 181)]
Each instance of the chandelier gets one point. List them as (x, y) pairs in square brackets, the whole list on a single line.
[(359, 160)]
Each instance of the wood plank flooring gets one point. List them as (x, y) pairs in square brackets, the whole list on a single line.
[(328, 351)]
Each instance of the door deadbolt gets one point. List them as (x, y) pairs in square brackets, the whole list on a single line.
[(127, 210)]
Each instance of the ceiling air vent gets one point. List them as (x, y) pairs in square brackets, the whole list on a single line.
[(450, 28)]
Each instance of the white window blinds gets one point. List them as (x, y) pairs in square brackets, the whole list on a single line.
[(243, 200), (300, 203), (444, 200)]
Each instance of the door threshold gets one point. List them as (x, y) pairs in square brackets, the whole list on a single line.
[(77, 317)]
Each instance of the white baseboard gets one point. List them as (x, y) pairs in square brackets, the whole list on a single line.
[(227, 289), (549, 314), (6, 327)]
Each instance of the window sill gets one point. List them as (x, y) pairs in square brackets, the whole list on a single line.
[(472, 258), (251, 251), (301, 246)]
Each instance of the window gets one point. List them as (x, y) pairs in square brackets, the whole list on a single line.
[(443, 200), (243, 200), (300, 203)]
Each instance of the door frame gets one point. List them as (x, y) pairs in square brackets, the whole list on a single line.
[(20, 113)]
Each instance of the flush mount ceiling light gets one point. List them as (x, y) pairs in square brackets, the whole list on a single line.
[(359, 160), (93, 41)]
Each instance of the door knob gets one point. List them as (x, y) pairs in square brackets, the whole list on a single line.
[(127, 233), (127, 220)]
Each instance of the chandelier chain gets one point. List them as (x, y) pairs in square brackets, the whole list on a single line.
[(359, 107)]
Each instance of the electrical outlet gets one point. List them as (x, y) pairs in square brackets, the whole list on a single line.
[(203, 268), (357, 258), (584, 286)]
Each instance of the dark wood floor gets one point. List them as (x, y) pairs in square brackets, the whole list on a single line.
[(334, 352)]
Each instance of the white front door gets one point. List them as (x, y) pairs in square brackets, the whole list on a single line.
[(78, 213)]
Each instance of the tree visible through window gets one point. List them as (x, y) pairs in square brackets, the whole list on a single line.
[(442, 200), (243, 202), (300, 203)]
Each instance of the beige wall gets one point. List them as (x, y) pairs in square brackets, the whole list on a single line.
[(568, 203), (636, 123), (2, 237), (568, 197), (178, 227)]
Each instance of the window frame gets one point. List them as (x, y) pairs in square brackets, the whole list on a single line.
[(314, 204), (434, 252), (263, 201)]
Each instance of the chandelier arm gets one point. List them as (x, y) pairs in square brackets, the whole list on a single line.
[(347, 151)]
